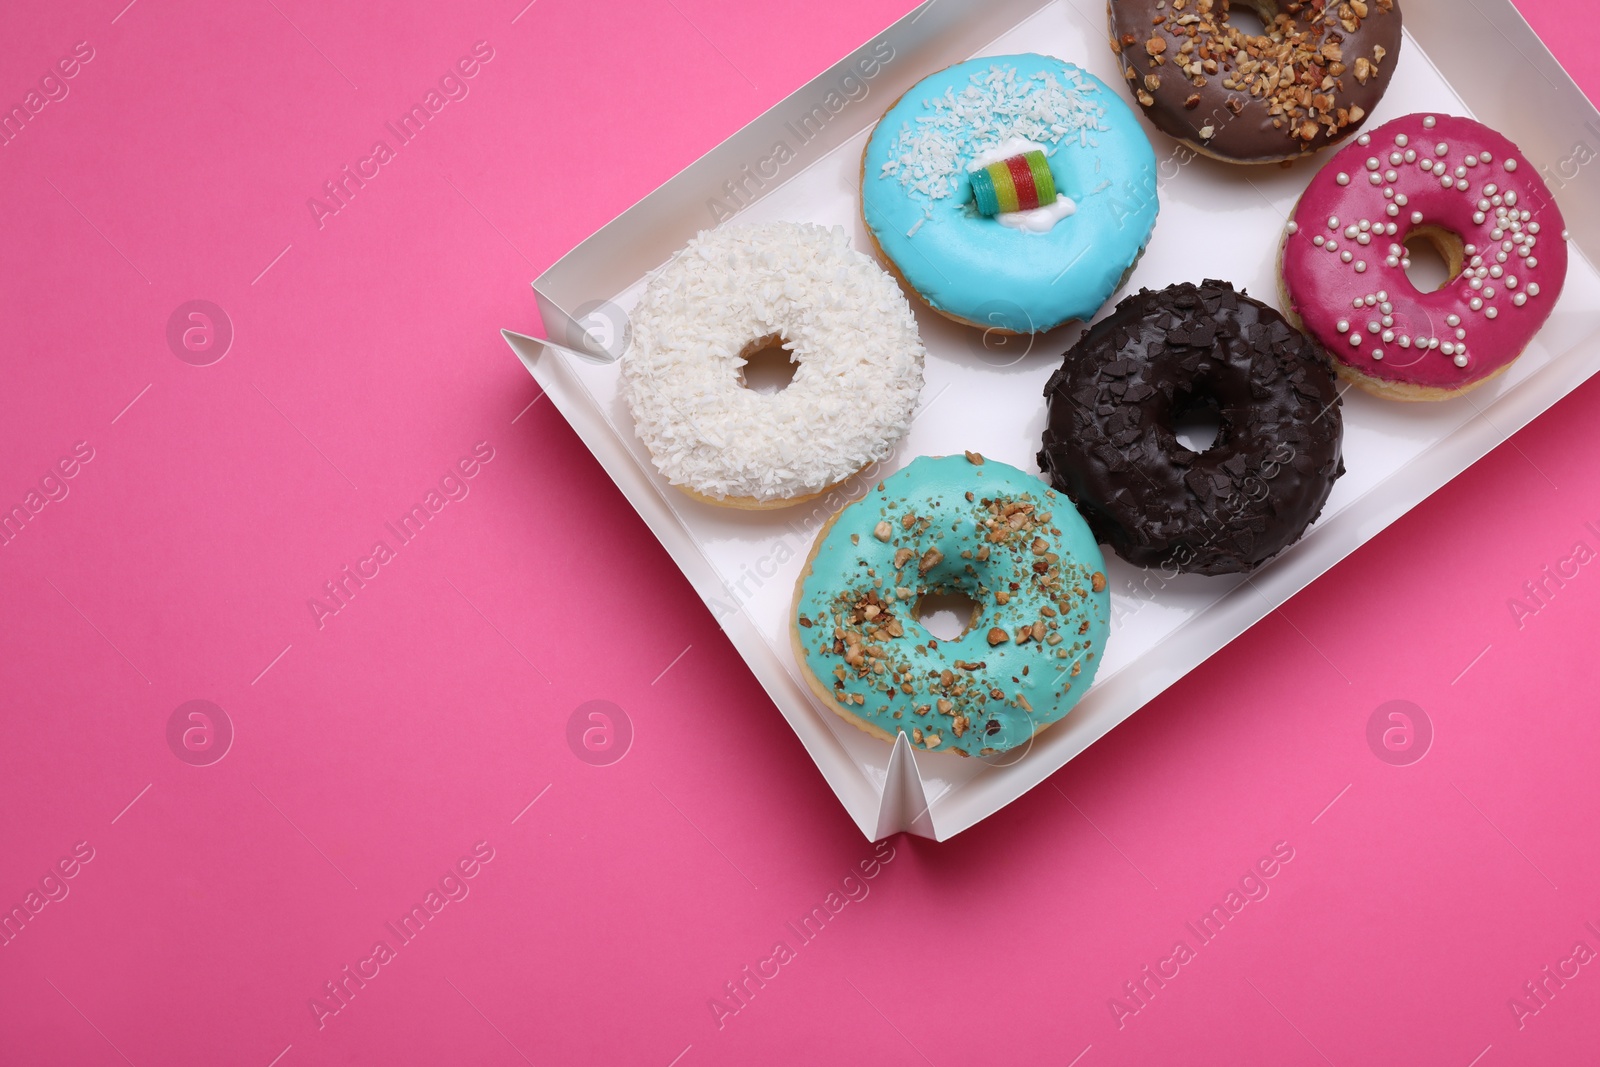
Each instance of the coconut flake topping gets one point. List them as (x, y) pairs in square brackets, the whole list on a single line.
[(845, 322), (931, 156)]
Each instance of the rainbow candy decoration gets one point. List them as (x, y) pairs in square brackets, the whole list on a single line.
[(1020, 183)]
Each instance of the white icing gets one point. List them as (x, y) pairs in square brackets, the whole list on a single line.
[(846, 321)]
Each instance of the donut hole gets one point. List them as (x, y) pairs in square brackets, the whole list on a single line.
[(1251, 19), (1435, 257), (1196, 422), (769, 365), (946, 614)]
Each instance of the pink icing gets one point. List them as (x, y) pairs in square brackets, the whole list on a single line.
[(1395, 183)]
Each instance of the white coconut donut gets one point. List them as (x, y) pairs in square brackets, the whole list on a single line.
[(846, 324)]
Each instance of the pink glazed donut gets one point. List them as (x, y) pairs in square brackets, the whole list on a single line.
[(1469, 191)]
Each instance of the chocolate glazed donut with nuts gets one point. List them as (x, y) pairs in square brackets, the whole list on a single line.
[(1110, 442), (1308, 83)]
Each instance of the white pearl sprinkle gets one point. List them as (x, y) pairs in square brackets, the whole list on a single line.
[(1411, 155), (1511, 281), (1533, 227), (1364, 140), (1345, 256), (1416, 218), (1343, 326), (1385, 307), (1294, 228), (1358, 303), (1491, 188), (1461, 360), (1383, 294), (1441, 149), (1477, 304), (1364, 239), (1355, 340), (1461, 335), (1373, 164), (1461, 172), (1392, 210), (1428, 122), (1333, 222), (1472, 161), (1520, 299), (1390, 176), (1448, 182), (1375, 179), (1533, 288), (1388, 337), (1478, 217), (1388, 320), (1333, 246), (1405, 342), (1361, 267), (1377, 353), (1319, 240), (1343, 178), (1453, 319), (1351, 231), (1532, 262), (1486, 157), (1392, 261), (1511, 164), (1448, 348), (1492, 313), (1496, 271), (1511, 197), (1402, 140), (1388, 194), (1400, 198), (1373, 327), (1370, 300)]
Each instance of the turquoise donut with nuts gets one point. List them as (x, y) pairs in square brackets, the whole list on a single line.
[(942, 525)]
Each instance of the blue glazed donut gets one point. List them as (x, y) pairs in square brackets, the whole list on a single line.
[(1040, 617), (1023, 271)]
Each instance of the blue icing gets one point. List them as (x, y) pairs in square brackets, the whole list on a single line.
[(975, 268), (1017, 548)]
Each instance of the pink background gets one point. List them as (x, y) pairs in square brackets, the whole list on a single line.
[(373, 753)]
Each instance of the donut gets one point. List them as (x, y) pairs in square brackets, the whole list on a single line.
[(953, 524), (1310, 82), (1110, 446), (1021, 271), (1467, 190), (734, 291)]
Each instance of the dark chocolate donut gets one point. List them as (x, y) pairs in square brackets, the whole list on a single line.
[(1308, 83), (1110, 445)]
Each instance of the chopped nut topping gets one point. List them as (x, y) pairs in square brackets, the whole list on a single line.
[(883, 531), (997, 636), (975, 459)]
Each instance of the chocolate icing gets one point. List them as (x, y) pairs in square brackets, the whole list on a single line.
[(1110, 446), (1234, 83)]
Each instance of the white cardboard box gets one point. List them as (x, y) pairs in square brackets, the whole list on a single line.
[(1472, 57)]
